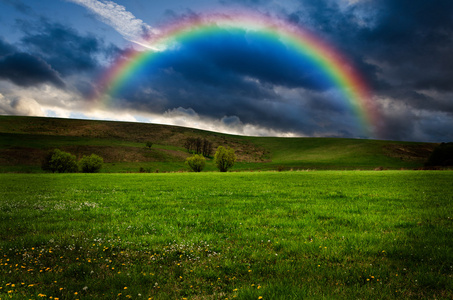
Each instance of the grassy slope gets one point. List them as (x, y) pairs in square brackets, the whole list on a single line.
[(327, 153), (289, 235), (25, 140)]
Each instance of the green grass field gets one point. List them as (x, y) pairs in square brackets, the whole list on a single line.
[(250, 235)]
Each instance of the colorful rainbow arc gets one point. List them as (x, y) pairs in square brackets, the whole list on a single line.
[(335, 66)]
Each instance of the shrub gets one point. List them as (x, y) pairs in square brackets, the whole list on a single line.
[(144, 170), (149, 144), (224, 158), (91, 164), (196, 163), (60, 162)]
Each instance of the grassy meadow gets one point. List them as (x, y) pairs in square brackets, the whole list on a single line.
[(245, 235)]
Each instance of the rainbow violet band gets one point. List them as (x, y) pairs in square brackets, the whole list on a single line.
[(331, 63)]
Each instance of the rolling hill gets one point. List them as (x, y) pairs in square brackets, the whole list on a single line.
[(24, 141)]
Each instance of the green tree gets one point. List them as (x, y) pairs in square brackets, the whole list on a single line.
[(224, 158), (91, 164), (149, 144), (60, 162), (196, 162)]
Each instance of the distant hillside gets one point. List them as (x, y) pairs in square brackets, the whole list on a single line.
[(25, 140)]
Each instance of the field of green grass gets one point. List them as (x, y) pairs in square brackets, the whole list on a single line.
[(247, 235)]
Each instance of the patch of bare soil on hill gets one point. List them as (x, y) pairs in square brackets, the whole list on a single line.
[(21, 156), (409, 152), (112, 154), (31, 156)]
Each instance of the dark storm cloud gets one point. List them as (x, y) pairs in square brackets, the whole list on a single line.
[(6, 48), (412, 38), (50, 52), (415, 38), (24, 69), (62, 47), (402, 49)]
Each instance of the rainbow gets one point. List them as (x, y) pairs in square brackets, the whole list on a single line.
[(331, 62)]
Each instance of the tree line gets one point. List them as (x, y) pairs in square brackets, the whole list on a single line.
[(199, 146)]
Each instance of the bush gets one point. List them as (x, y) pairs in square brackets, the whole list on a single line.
[(224, 158), (60, 162), (149, 144), (91, 164), (196, 163), (145, 170)]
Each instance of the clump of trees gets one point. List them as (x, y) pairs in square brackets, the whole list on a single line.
[(57, 161), (224, 158), (442, 156), (199, 146), (196, 162)]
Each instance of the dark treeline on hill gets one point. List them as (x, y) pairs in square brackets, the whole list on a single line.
[(441, 156), (127, 147), (199, 146)]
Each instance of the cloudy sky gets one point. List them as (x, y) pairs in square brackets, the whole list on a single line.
[(54, 55)]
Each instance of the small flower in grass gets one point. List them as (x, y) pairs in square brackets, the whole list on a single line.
[(125, 287), (260, 297)]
